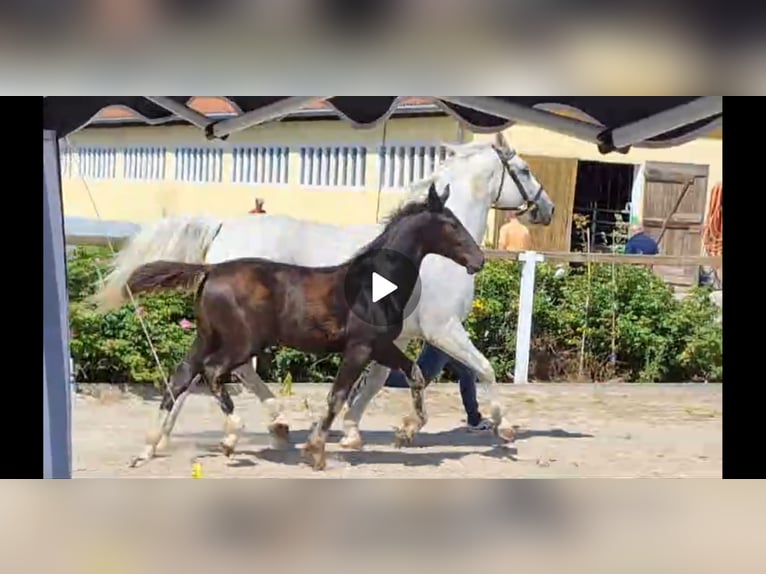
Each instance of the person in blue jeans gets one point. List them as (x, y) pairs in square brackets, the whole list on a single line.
[(431, 362)]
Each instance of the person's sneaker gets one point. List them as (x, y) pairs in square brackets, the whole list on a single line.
[(483, 425)]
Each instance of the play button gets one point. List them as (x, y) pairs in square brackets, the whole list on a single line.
[(382, 288)]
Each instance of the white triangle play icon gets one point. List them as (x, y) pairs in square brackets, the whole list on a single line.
[(381, 287)]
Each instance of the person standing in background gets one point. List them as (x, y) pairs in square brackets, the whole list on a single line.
[(258, 206), (514, 235), (640, 243)]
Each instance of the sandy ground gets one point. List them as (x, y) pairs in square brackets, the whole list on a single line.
[(566, 430)]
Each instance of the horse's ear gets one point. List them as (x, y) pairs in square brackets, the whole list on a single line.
[(433, 202), (445, 195), (500, 140)]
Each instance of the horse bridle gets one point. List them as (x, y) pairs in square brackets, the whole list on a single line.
[(528, 202)]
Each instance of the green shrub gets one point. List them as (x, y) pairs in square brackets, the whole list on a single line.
[(634, 328)]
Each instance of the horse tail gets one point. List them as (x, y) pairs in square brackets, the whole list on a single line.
[(162, 275), (180, 239)]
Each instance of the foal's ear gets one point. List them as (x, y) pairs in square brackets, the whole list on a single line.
[(434, 202), (445, 195)]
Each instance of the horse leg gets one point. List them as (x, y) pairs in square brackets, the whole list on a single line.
[(369, 385), (355, 358), (279, 428), (183, 381), (453, 340), (393, 357)]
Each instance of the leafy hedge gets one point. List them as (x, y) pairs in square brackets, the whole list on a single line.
[(632, 325)]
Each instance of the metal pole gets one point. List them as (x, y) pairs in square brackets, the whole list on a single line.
[(182, 111), (516, 112), (56, 384), (530, 260), (663, 122), (266, 113)]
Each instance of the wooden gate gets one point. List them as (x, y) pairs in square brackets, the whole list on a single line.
[(558, 176), (674, 208)]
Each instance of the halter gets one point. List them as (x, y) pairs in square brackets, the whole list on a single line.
[(528, 203)]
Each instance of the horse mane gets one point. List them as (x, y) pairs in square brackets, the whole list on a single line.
[(414, 201), (416, 190)]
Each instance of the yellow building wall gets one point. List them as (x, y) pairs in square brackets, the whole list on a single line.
[(141, 202), (124, 199)]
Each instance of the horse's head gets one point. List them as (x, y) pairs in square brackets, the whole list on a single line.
[(445, 235), (506, 179)]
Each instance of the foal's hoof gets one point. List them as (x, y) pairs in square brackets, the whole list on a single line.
[(314, 456), (403, 437), (280, 436), (227, 449)]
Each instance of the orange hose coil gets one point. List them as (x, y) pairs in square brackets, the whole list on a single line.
[(712, 237)]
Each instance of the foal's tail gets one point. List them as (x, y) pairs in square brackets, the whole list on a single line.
[(162, 275), (184, 239)]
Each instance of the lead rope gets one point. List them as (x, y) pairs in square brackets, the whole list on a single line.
[(127, 289)]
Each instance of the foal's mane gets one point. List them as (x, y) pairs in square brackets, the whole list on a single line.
[(391, 221)]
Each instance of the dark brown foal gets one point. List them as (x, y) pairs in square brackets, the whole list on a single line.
[(247, 305)]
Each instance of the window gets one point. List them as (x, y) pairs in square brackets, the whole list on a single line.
[(144, 163), (65, 159), (400, 165), (199, 164), (95, 162), (344, 166), (259, 164)]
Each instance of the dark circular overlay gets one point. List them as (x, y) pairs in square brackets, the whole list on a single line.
[(394, 308)]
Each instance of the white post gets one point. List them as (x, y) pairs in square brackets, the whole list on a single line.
[(530, 259)]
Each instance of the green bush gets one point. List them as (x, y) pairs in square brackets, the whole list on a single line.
[(634, 328)]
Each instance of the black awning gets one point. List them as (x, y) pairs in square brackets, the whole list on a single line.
[(613, 123)]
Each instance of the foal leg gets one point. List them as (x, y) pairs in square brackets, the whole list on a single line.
[(183, 381), (393, 357), (369, 385), (279, 428), (354, 360), (218, 368), (233, 424)]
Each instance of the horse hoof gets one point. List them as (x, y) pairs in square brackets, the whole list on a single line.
[(163, 444), (352, 441), (506, 433), (280, 436), (136, 461)]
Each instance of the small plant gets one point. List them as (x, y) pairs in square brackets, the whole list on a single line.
[(286, 390)]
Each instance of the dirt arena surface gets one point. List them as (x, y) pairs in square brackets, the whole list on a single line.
[(566, 430)]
